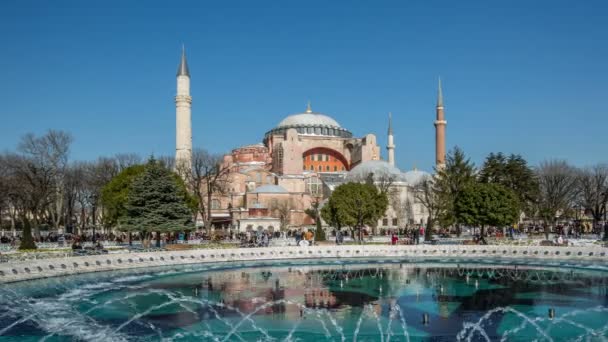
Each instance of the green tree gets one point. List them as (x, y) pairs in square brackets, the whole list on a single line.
[(155, 200), (115, 194), (487, 204), (314, 213), (329, 213), (450, 182), (356, 205), (513, 173)]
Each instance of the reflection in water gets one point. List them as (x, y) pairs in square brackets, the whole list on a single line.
[(311, 302)]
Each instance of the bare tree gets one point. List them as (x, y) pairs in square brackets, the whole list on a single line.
[(169, 163), (593, 191), (50, 152), (558, 191), (29, 188), (282, 209), (207, 178), (125, 160), (402, 207), (428, 196)]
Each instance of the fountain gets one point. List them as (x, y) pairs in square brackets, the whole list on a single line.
[(306, 300)]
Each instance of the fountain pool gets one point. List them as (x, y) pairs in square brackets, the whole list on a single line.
[(314, 300)]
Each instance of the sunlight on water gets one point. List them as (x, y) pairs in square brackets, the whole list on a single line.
[(312, 301)]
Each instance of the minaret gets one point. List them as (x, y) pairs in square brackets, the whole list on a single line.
[(440, 124), (183, 117), (390, 147)]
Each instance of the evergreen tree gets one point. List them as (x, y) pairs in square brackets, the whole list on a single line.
[(115, 194), (513, 173), (156, 203), (451, 180)]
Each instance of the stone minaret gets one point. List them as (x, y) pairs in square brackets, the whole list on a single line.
[(440, 124), (390, 147), (183, 117)]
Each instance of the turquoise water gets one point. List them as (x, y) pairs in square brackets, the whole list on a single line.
[(316, 300)]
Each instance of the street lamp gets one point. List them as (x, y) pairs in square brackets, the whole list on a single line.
[(605, 196)]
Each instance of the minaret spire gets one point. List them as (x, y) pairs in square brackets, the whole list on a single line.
[(183, 118), (182, 69), (439, 95), (390, 146), (440, 124)]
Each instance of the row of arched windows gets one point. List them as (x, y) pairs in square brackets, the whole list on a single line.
[(327, 168)]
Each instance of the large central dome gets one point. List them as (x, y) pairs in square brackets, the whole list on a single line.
[(308, 119), (311, 123)]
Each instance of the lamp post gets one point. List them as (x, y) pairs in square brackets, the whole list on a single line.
[(605, 223)]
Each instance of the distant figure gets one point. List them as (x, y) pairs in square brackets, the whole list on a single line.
[(339, 238), (394, 239), (308, 236), (560, 240)]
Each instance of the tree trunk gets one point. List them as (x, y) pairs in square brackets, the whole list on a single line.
[(158, 239), (27, 242), (429, 230), (130, 239)]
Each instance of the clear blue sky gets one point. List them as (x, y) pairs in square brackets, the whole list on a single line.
[(526, 77)]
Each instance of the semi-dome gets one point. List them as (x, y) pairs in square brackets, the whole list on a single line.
[(415, 176), (380, 169), (270, 189), (311, 123)]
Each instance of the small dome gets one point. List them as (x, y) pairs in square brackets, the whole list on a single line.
[(379, 168), (270, 189), (415, 176)]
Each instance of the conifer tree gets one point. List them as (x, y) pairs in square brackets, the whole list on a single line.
[(450, 182), (156, 203)]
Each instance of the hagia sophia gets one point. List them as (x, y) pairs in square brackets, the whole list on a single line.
[(299, 162)]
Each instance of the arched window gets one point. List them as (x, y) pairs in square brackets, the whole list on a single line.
[(320, 168), (335, 168), (314, 186), (215, 203), (327, 168), (312, 168)]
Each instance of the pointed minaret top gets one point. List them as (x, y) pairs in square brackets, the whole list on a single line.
[(439, 95), (182, 70), (308, 109), (390, 123)]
